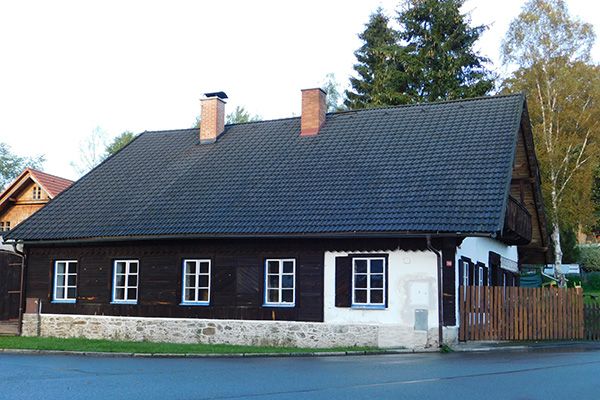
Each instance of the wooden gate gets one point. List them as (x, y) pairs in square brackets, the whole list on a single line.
[(515, 313), (10, 286)]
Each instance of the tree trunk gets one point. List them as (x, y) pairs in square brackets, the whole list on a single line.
[(558, 256)]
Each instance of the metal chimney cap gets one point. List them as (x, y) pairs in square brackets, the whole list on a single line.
[(220, 95)]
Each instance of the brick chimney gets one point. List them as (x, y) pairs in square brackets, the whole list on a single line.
[(212, 116), (314, 108)]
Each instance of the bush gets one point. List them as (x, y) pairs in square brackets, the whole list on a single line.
[(591, 281), (573, 280), (589, 257)]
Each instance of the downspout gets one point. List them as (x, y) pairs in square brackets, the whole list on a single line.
[(21, 288), (440, 291)]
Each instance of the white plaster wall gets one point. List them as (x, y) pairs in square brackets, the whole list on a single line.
[(412, 284), (477, 249)]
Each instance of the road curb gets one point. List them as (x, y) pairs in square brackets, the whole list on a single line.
[(536, 346), (211, 355)]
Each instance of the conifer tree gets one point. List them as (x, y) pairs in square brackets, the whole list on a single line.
[(377, 81), (438, 56)]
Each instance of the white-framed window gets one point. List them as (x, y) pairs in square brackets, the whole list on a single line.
[(368, 282), (280, 282), (125, 281), (196, 282), (4, 226), (65, 281)]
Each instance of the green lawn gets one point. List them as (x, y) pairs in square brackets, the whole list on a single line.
[(87, 345), (588, 300)]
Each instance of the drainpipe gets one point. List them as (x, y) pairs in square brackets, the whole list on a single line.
[(440, 290), (21, 288)]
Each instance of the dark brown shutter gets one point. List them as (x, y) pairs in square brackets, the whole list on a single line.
[(343, 281)]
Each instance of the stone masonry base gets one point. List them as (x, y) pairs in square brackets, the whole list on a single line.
[(257, 333)]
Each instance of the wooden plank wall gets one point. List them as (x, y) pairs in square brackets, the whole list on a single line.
[(516, 313), (10, 285), (237, 276)]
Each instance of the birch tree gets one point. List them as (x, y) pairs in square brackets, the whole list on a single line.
[(552, 52)]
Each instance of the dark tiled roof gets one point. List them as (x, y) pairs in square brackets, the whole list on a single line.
[(439, 167)]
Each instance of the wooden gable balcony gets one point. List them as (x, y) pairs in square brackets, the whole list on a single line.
[(517, 223)]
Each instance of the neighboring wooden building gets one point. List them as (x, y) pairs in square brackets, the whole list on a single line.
[(351, 228), (29, 192)]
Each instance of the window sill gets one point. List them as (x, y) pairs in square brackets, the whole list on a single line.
[(123, 302), (368, 307), (63, 301), (195, 303), (279, 305)]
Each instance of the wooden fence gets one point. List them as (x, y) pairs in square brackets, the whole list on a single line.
[(515, 313)]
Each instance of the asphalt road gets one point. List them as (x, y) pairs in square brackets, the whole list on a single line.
[(548, 374)]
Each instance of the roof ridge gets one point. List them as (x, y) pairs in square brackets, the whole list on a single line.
[(423, 104), (431, 103), (238, 123), (34, 171)]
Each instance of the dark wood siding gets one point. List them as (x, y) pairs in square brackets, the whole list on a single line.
[(237, 276), (449, 281), (10, 285)]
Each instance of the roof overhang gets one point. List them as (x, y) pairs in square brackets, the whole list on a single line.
[(318, 235)]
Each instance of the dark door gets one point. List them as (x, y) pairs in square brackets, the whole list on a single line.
[(10, 286)]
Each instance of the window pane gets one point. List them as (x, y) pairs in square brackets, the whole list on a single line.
[(287, 281), (120, 294), (203, 295), (133, 268), (377, 281), (273, 296), (273, 281), (360, 266), (132, 280), (190, 267), (120, 280), (60, 280), (273, 267), (288, 267), (72, 280), (203, 281), (71, 293), (60, 292), (189, 295), (360, 281), (377, 296), (204, 267), (377, 266), (360, 296), (60, 268), (190, 281), (131, 294), (287, 296), (120, 268), (72, 268)]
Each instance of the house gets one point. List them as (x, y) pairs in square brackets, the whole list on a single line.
[(29, 192), (330, 229)]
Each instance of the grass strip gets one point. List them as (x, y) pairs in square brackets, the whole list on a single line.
[(111, 346)]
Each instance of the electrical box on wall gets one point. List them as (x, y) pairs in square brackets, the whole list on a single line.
[(421, 318)]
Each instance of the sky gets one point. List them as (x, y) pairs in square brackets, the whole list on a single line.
[(69, 67)]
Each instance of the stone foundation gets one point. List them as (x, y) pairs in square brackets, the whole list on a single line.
[(236, 332)]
